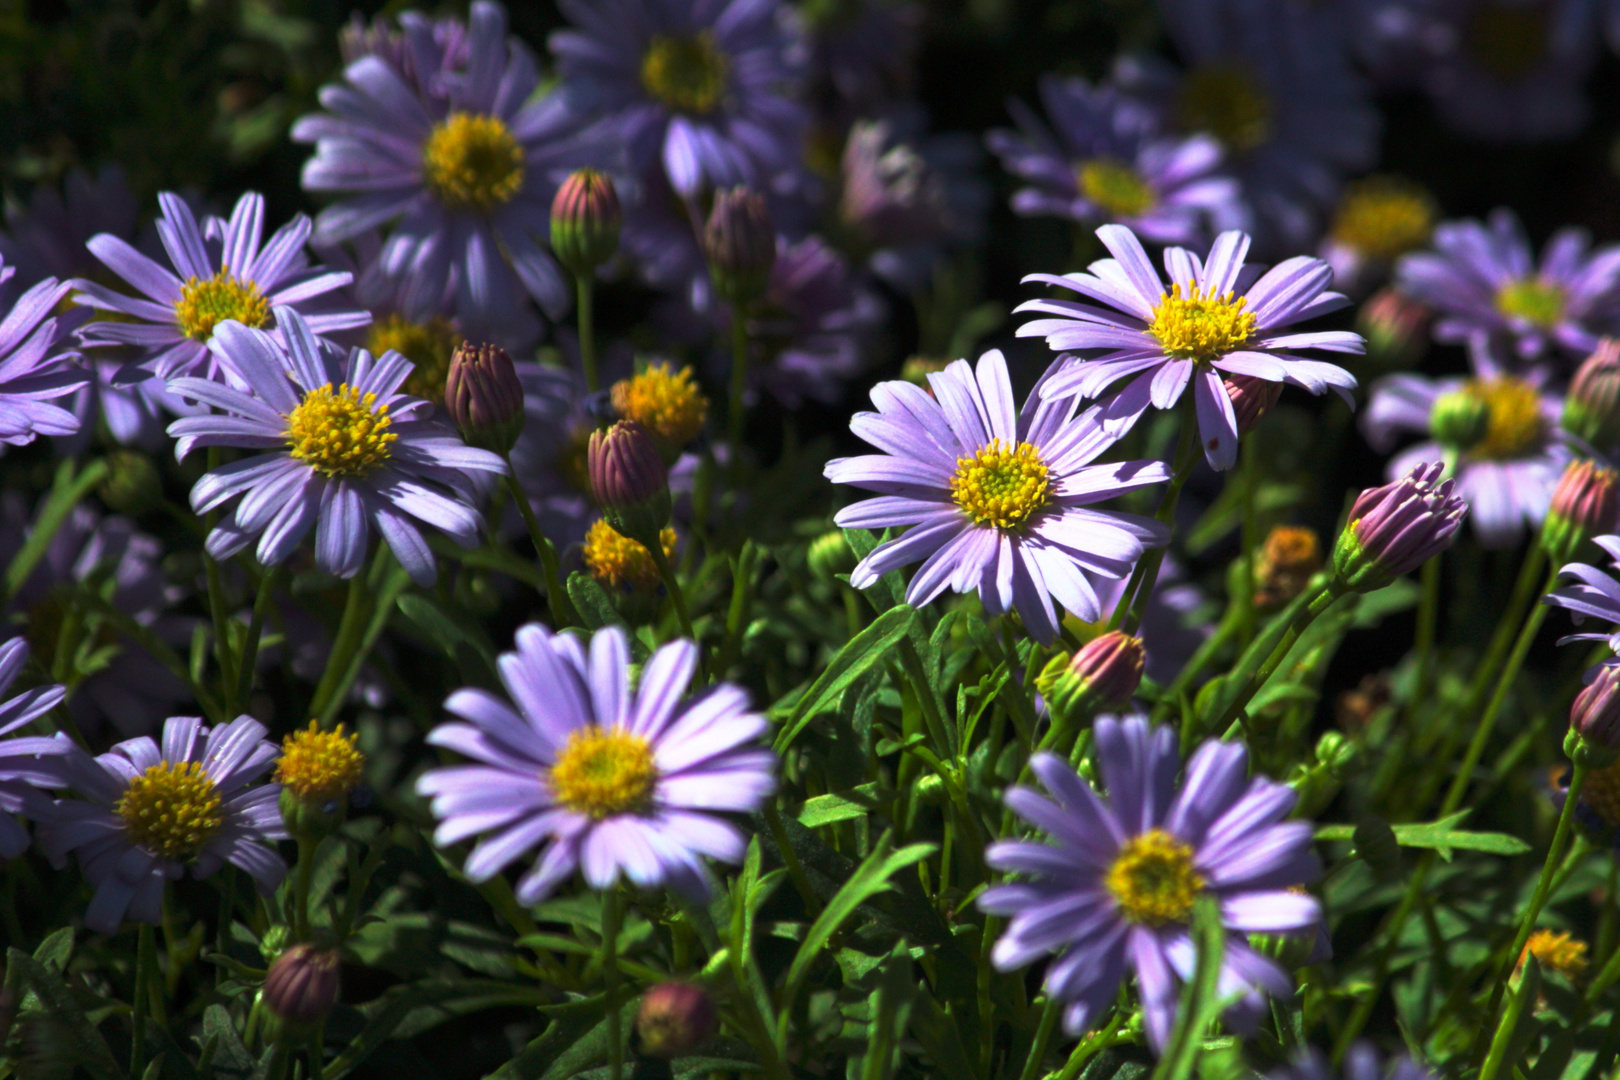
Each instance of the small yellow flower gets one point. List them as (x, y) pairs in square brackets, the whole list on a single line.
[(320, 766)]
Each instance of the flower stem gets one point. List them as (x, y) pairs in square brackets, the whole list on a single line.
[(585, 287), (739, 379), (562, 612), (145, 962), (1132, 604), (301, 884), (612, 914), (1324, 597), (1043, 1037), (350, 630), (248, 661), (1427, 619), (667, 572)]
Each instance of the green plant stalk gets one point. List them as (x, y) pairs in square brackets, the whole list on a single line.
[(67, 489), (1043, 1038), (303, 876), (1243, 602), (1428, 619), (739, 380), (1320, 602), (1230, 627), (1133, 601), (673, 584), (562, 611), (1088, 1047), (249, 659), (145, 961), (585, 288), (350, 629), (612, 914), (383, 594), (1510, 1020)]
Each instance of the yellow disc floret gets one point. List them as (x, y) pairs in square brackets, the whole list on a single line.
[(1153, 879), (687, 72), (604, 771), (1516, 426), (171, 809), (1537, 302), (1383, 216), (341, 432), (667, 403), (203, 304), (1226, 101), (1001, 485), (1557, 951), (427, 345), (620, 562), (472, 162), (1114, 186), (319, 766), (1196, 325)]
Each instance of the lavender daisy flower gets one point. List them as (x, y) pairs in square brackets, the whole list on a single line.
[(1215, 317), (346, 451), (861, 56), (37, 365), (1507, 477), (27, 762), (1361, 1063), (705, 87), (1000, 502), (468, 174), (1594, 593), (1109, 162), (148, 809), (611, 781), (1114, 889), (1490, 294), (426, 53)]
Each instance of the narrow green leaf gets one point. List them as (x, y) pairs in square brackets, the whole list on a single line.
[(837, 806), (88, 1047), (592, 601), (445, 627), (855, 659)]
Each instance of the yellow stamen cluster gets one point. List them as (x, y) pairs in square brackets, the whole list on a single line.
[(1516, 426), (667, 403), (1508, 40), (1153, 879), (1537, 302), (319, 766), (1383, 216), (1288, 559), (340, 432), (1114, 186), (1229, 103), (1198, 325), (1001, 485), (620, 562), (603, 772), (203, 304), (1557, 951), (472, 162), (171, 809), (687, 72), (427, 345)]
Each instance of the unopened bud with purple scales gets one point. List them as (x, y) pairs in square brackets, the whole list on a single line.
[(674, 1019), (1585, 504), (585, 221), (1252, 399), (740, 243), (484, 398), (1102, 675), (1396, 328), (1396, 528), (1594, 721), (302, 984), (629, 481), (1592, 407)]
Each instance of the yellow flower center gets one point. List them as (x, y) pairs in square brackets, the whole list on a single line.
[(1507, 41), (205, 304), (687, 73), (620, 562), (1537, 302), (1001, 485), (604, 771), (1229, 103), (340, 432), (1516, 426), (667, 403), (1382, 217), (171, 809), (1153, 879), (1557, 951), (1201, 325), (1114, 186), (428, 346), (472, 162), (319, 766)]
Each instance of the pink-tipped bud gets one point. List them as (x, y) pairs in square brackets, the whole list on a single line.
[(1251, 398), (1585, 504), (1396, 328), (1595, 715), (740, 243), (629, 481), (585, 221), (1592, 409), (1103, 674), (484, 398), (674, 1019), (1395, 528), (302, 984)]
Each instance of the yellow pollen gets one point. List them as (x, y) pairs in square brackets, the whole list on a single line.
[(1226, 101), (687, 73), (1537, 302), (1001, 485), (1516, 426), (340, 432), (667, 403), (205, 304), (1114, 186), (1383, 216), (1557, 951), (1153, 879), (620, 562), (472, 162), (171, 809), (428, 346), (604, 771), (1508, 41), (1201, 326), (319, 766)]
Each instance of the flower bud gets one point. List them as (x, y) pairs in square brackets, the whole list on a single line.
[(318, 771), (1103, 674), (1460, 420), (1585, 504), (484, 398), (133, 484), (585, 221), (1396, 328), (1251, 398), (830, 554), (674, 1019), (740, 243), (669, 404), (302, 984), (629, 481), (1395, 528), (1288, 560), (1592, 409), (1595, 715)]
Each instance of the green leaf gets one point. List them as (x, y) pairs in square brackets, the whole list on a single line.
[(1441, 836), (592, 601), (223, 1049), (887, 591), (446, 628), (837, 806), (88, 1047), (1200, 997), (855, 659)]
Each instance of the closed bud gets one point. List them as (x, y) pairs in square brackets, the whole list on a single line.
[(585, 221), (1460, 420), (1594, 718), (1288, 560), (1251, 398), (674, 1019), (1592, 408), (1585, 504), (484, 398), (302, 984), (1103, 674), (831, 554), (1395, 528), (133, 485), (629, 481), (740, 244), (1396, 328)]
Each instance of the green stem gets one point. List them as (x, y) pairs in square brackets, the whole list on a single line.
[(350, 630), (739, 378), (673, 584), (1427, 620), (612, 914), (145, 961), (268, 579), (1504, 1032), (1230, 625), (1139, 590), (1303, 619), (562, 612), (585, 287), (301, 884), (1043, 1038)]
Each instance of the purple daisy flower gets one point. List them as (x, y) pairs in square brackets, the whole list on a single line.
[(862, 56), (1109, 162), (1362, 1062), (346, 451), (220, 271), (1214, 317), (27, 762), (426, 53), (37, 355), (705, 87), (1483, 280), (1000, 501), (1508, 476), (1115, 888), (148, 809), (1594, 593), (609, 781)]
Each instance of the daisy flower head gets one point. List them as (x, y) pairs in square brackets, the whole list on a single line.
[(219, 270), (38, 362), (149, 808), (27, 762), (998, 501), (1106, 159), (1112, 888), (344, 451), (609, 780), (1215, 316), (1490, 294)]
